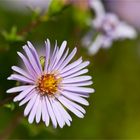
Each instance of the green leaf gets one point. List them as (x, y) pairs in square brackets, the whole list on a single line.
[(12, 36), (11, 106)]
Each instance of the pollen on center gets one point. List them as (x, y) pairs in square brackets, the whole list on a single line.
[(48, 84)]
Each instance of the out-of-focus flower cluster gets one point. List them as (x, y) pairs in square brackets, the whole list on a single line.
[(106, 27), (126, 10)]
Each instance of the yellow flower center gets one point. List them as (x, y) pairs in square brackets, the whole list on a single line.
[(48, 84)]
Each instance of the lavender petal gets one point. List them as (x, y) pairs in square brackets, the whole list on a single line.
[(27, 64), (72, 65), (34, 52), (75, 98), (47, 45), (20, 78), (76, 79), (68, 59), (51, 112), (32, 60), (30, 105), (17, 89), (33, 110), (23, 93), (70, 107)]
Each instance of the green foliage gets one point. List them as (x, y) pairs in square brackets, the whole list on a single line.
[(56, 7), (11, 106), (12, 36)]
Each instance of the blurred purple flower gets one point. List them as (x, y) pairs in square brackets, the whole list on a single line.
[(108, 27), (51, 84), (127, 10)]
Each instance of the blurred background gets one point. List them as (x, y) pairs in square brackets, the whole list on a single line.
[(114, 110)]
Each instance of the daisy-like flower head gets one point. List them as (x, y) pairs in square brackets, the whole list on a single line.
[(51, 84), (109, 28)]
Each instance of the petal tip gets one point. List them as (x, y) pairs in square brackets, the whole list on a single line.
[(9, 78)]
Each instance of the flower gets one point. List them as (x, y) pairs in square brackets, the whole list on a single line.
[(108, 28), (51, 84), (122, 8)]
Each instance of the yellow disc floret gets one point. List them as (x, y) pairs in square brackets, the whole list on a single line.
[(48, 84)]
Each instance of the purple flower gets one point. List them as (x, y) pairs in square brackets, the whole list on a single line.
[(108, 28), (51, 84)]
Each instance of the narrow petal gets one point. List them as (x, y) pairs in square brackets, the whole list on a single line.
[(32, 60), (70, 107), (34, 52), (38, 112), (85, 95), (74, 105), (62, 60), (27, 98), (27, 64), (20, 78), (79, 89), (80, 94), (61, 51), (67, 118), (33, 110), (23, 93), (22, 72), (17, 89), (79, 67), (45, 114), (30, 105), (72, 65), (47, 45), (53, 57), (75, 98), (87, 83), (58, 116), (75, 74), (76, 79), (68, 59), (51, 113)]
